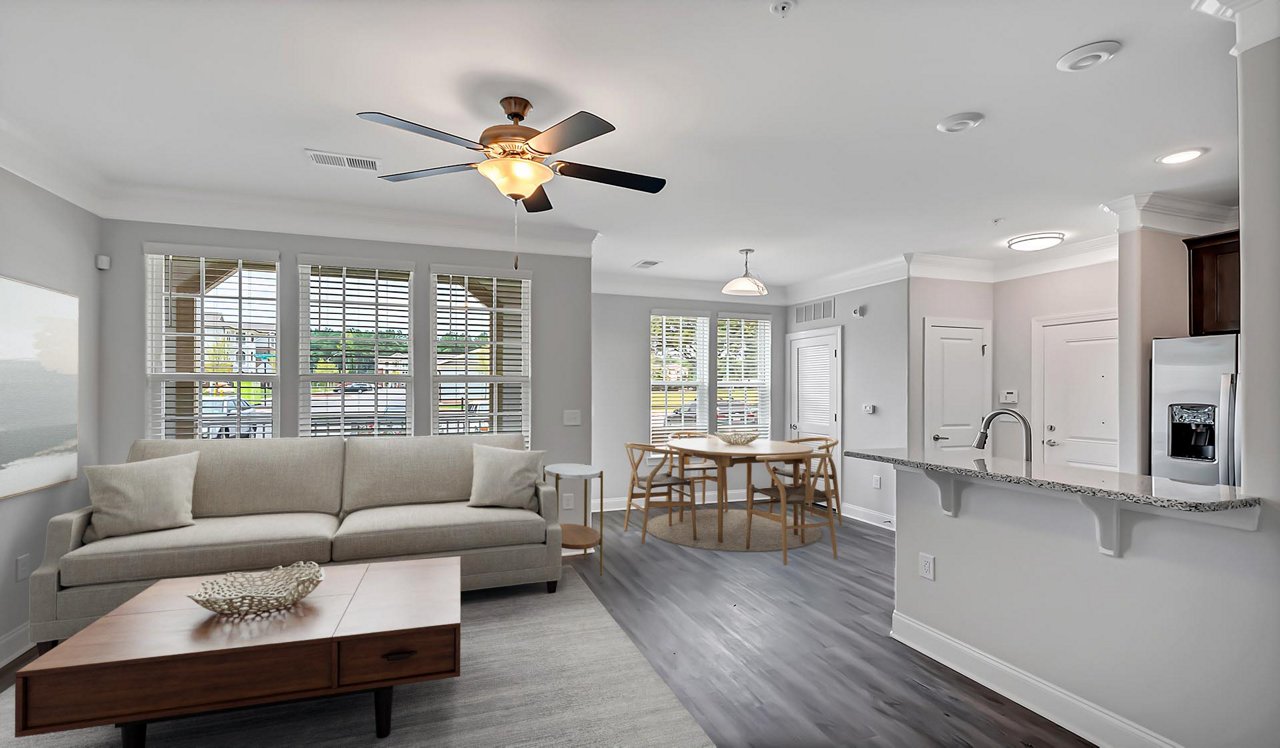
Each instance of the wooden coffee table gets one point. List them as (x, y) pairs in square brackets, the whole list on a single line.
[(367, 627)]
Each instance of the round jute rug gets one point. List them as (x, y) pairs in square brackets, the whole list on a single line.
[(765, 535)]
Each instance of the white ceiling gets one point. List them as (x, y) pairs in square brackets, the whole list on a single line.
[(811, 139)]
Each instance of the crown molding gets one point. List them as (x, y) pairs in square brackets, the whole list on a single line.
[(28, 159), (1257, 21), (658, 287), (950, 267), (1176, 215), (885, 271), (310, 218)]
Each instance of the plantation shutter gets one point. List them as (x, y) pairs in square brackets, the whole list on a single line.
[(743, 352), (211, 332), (355, 349), (481, 352), (678, 376)]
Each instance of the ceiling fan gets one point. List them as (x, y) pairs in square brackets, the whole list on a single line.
[(515, 154)]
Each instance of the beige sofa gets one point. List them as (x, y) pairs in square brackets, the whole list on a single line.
[(260, 503)]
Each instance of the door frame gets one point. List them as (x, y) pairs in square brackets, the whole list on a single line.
[(1038, 325), (988, 355), (837, 403)]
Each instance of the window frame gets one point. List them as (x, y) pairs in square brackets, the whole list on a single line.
[(525, 380), (157, 296), (304, 264), (703, 384)]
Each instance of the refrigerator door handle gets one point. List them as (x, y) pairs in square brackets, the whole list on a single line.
[(1226, 451)]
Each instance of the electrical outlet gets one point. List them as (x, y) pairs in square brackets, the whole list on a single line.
[(22, 567), (869, 408), (573, 418), (927, 566), (875, 481), (566, 501)]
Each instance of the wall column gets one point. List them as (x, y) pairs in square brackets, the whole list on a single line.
[(1257, 54), (1153, 299)]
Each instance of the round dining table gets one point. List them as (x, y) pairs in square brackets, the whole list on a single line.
[(724, 454)]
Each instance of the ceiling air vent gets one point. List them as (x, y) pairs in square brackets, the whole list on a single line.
[(646, 264), (346, 162)]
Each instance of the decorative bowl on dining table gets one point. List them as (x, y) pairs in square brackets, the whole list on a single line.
[(738, 439)]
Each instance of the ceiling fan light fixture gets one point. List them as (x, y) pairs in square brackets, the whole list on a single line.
[(517, 178), (745, 284)]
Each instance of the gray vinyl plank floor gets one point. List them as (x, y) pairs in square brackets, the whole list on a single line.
[(767, 655)]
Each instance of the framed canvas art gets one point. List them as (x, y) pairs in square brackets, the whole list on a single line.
[(39, 373)]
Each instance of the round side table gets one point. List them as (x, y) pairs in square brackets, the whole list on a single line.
[(581, 536)]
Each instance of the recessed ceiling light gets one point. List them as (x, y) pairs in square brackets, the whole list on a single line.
[(961, 122), (1088, 57), (1182, 157), (1036, 242)]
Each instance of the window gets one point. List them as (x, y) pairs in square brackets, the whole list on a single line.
[(743, 363), (677, 375), (355, 349), (481, 352), (211, 346)]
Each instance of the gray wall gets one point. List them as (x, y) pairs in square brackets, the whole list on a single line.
[(50, 242), (1016, 303), (875, 372), (561, 327), (620, 376)]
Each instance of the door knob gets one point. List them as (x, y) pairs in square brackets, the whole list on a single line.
[(937, 438), (1051, 443)]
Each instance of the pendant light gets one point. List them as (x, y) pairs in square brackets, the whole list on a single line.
[(745, 284)]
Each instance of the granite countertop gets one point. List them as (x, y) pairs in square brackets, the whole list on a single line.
[(1110, 484)]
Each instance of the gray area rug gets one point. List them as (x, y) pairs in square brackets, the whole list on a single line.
[(765, 535), (537, 669)]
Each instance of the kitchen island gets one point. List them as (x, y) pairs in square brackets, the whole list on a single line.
[(1035, 581)]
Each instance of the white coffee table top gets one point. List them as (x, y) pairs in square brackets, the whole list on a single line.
[(573, 470)]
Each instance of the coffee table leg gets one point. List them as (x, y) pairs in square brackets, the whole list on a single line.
[(382, 711), (133, 734)]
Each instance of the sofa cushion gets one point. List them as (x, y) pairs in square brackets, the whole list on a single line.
[(413, 529), (140, 496), (211, 546), (505, 477), (413, 469), (258, 476)]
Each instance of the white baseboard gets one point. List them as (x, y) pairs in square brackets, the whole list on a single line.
[(14, 644), (869, 516), (1083, 717)]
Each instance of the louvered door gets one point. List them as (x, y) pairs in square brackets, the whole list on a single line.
[(813, 383)]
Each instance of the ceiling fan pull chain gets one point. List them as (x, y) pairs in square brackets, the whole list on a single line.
[(515, 231)]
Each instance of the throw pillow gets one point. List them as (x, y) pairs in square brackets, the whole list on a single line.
[(141, 496), (504, 477)]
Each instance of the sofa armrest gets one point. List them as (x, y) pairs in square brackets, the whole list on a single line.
[(548, 502), (64, 534)]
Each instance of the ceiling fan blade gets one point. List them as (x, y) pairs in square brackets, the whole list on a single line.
[(537, 202), (625, 179), (405, 176), (413, 127), (569, 132)]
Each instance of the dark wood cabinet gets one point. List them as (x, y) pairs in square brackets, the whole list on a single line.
[(1214, 274)]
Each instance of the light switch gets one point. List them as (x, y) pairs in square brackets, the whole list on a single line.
[(573, 418), (1008, 397)]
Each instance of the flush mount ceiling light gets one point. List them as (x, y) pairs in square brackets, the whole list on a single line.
[(745, 284), (1182, 157), (1088, 57), (961, 122), (1036, 242)]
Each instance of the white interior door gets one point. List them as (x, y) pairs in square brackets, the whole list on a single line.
[(1079, 395), (957, 384), (813, 383)]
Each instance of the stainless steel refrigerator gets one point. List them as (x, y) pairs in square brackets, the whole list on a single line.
[(1194, 423)]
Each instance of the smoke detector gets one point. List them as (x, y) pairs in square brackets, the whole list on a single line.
[(1088, 57), (323, 158), (646, 264)]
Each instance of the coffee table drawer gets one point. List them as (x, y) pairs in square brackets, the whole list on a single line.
[(398, 655), (97, 694)]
